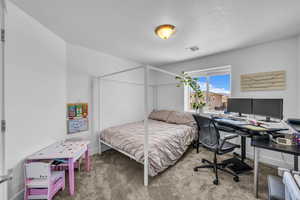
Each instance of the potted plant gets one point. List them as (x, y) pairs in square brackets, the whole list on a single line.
[(197, 96)]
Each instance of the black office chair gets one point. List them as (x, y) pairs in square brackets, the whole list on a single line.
[(209, 137)]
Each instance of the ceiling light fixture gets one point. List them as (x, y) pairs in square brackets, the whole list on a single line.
[(165, 31)]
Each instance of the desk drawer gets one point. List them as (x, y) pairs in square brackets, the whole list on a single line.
[(38, 191)]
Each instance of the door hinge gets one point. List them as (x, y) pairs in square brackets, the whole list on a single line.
[(2, 35), (3, 125)]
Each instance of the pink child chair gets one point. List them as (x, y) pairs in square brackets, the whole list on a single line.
[(41, 182)]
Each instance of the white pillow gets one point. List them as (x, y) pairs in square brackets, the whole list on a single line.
[(184, 118)]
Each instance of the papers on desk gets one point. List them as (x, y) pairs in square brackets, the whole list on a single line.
[(61, 150), (282, 125), (252, 124), (255, 128), (230, 121)]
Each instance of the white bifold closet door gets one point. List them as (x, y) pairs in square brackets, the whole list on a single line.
[(2, 172), (3, 186)]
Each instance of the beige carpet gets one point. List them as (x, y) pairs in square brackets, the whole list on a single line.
[(116, 177)]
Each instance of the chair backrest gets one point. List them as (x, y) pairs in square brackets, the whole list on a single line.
[(208, 133)]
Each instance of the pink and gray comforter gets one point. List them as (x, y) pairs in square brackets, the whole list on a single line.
[(167, 142)]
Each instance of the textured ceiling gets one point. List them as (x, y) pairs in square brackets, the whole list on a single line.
[(125, 28)]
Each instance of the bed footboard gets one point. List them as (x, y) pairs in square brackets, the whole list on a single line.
[(101, 142)]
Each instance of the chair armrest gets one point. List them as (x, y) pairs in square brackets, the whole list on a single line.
[(228, 137)]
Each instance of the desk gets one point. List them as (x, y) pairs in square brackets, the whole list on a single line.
[(267, 144), (70, 151), (244, 129), (261, 144)]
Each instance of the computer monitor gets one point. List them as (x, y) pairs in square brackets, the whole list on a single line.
[(240, 105), (269, 108)]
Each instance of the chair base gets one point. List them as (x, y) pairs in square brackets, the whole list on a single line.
[(237, 166), (217, 166)]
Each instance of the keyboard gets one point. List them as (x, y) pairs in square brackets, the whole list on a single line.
[(236, 119), (231, 121)]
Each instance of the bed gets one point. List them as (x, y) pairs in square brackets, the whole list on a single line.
[(170, 134)]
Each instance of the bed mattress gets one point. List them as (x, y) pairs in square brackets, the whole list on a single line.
[(167, 142)]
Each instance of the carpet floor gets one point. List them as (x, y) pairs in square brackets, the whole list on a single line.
[(116, 177)]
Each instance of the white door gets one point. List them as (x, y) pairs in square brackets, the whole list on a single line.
[(2, 172), (3, 186)]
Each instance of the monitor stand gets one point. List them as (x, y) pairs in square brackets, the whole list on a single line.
[(268, 119), (241, 115)]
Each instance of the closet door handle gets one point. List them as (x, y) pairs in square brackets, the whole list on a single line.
[(5, 178)]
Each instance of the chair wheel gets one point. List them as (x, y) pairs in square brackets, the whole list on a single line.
[(216, 182), (236, 179), (195, 169)]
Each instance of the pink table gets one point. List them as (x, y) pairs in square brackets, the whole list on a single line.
[(69, 150)]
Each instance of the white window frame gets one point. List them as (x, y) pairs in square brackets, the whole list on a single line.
[(207, 72)]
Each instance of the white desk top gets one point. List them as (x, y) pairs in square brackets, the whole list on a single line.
[(61, 150)]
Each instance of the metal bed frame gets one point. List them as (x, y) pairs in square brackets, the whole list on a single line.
[(146, 136), (115, 148)]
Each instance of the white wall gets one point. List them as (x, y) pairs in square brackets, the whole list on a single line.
[(79, 88), (298, 75), (277, 55), (36, 90), (122, 102), (170, 97)]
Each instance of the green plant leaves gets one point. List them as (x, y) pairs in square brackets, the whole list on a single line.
[(197, 95)]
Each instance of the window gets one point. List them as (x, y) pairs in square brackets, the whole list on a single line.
[(215, 84)]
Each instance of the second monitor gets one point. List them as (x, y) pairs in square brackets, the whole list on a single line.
[(240, 105), (268, 108)]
